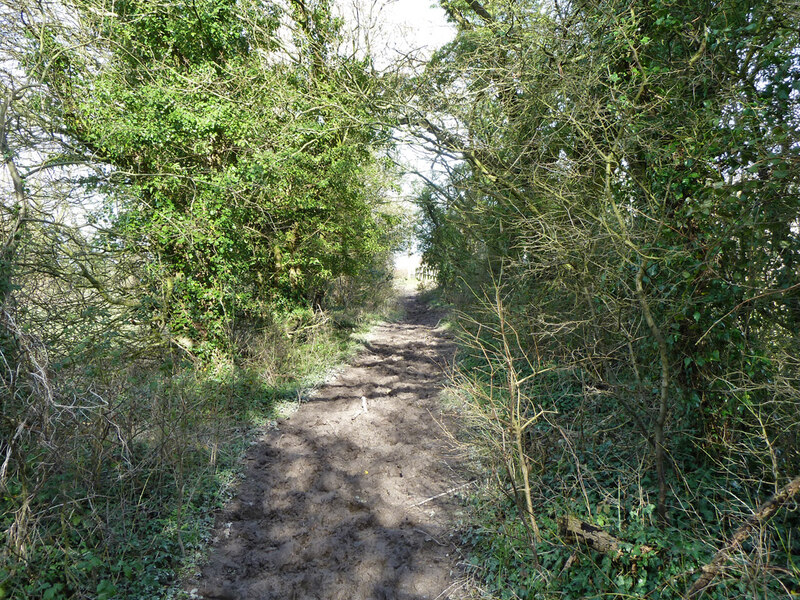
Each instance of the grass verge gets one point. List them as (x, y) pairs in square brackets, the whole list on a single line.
[(122, 503)]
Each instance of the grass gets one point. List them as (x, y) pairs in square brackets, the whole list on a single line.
[(587, 460), (126, 505), (603, 477)]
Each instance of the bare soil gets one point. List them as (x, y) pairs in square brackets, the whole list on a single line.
[(336, 502)]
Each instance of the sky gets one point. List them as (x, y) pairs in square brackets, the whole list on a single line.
[(392, 29), (422, 24), (426, 29), (398, 27)]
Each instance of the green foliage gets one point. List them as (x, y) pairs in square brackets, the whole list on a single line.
[(652, 562), (246, 184), (628, 191), (123, 510), (586, 464), (198, 230)]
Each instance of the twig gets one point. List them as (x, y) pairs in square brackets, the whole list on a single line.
[(450, 588), (445, 493), (769, 508), (742, 303), (363, 408), (429, 536)]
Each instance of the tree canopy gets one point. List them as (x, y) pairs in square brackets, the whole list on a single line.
[(622, 235), (192, 188)]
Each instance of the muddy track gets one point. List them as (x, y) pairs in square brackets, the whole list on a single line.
[(333, 503)]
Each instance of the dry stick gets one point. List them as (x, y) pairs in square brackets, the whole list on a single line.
[(445, 493), (574, 529), (765, 511), (450, 588), (429, 537), (518, 429)]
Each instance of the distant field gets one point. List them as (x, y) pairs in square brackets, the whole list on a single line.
[(406, 264)]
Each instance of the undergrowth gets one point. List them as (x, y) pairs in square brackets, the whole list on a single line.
[(587, 461), (590, 465), (120, 502)]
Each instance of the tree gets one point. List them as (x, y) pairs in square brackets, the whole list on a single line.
[(180, 178), (244, 181), (629, 170)]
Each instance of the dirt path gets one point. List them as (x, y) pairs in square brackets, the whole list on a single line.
[(332, 504)]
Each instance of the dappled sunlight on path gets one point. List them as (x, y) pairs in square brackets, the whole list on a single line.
[(333, 505)]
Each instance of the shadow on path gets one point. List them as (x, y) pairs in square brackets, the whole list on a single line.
[(329, 508)]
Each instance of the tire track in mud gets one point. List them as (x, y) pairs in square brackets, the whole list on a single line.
[(326, 510)]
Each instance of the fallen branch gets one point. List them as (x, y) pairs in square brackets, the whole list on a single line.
[(429, 537), (573, 529), (765, 511)]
